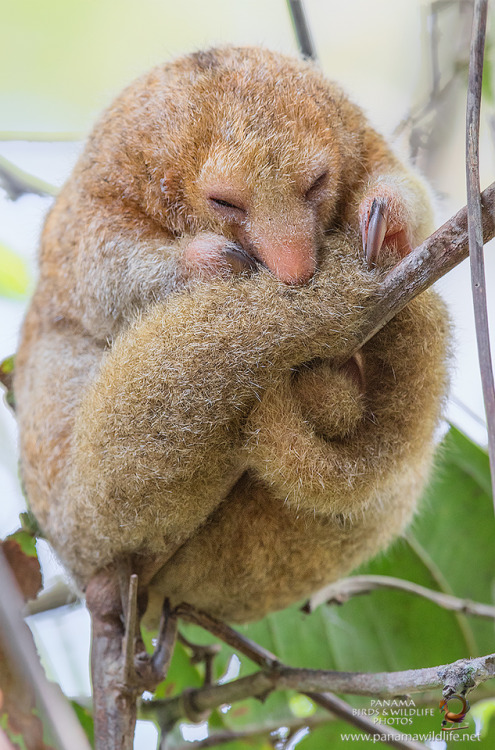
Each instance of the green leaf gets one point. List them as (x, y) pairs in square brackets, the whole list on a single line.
[(484, 712), (14, 275), (86, 721), (29, 524), (451, 548), (457, 528), (301, 706), (181, 675), (26, 542), (7, 379)]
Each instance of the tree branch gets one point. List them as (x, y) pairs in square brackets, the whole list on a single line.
[(291, 723), (457, 677), (58, 595), (474, 223), (16, 182), (343, 590), (437, 255), (270, 663), (21, 652), (301, 29)]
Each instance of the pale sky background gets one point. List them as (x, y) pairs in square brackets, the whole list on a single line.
[(62, 61)]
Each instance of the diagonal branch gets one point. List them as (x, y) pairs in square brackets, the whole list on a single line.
[(301, 29), (435, 257), (16, 182), (458, 677), (267, 660), (21, 652), (343, 590)]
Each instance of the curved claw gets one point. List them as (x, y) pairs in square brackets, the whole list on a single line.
[(354, 369), (374, 231), (238, 259)]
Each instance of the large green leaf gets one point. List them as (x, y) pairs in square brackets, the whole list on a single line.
[(457, 529), (451, 548)]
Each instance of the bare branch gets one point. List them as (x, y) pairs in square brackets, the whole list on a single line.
[(58, 595), (228, 635), (428, 122), (457, 677), (205, 654), (270, 730), (131, 623), (301, 29), (474, 223), (437, 255), (32, 136), (343, 590), (114, 695), (269, 661), (20, 649), (160, 661), (16, 182)]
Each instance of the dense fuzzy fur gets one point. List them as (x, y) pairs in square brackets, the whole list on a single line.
[(196, 422)]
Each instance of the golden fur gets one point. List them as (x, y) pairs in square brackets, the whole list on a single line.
[(192, 418)]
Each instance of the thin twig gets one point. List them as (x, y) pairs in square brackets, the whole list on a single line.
[(292, 724), (437, 255), (20, 649), (301, 29), (259, 655), (160, 661), (458, 677), (131, 621), (343, 590), (32, 136), (474, 223), (269, 662), (16, 182), (200, 653), (58, 595)]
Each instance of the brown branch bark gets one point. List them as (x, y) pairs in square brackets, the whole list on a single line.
[(478, 284), (120, 667), (435, 257), (271, 665), (58, 595), (457, 677), (343, 590)]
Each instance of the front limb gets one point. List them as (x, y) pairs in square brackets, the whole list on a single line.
[(337, 448), (159, 436)]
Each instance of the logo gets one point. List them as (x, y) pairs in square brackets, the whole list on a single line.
[(454, 717)]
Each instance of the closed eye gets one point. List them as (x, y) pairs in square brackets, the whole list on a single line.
[(317, 185), (220, 202), (225, 207)]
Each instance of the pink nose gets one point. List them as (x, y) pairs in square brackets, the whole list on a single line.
[(291, 262)]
